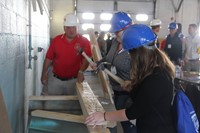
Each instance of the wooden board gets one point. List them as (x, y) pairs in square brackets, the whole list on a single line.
[(49, 98), (4, 122), (96, 57), (58, 116), (89, 102)]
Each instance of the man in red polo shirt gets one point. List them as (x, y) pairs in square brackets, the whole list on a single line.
[(68, 64)]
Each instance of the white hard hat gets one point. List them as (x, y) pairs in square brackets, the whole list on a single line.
[(71, 20), (155, 22)]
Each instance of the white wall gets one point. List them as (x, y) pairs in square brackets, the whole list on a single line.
[(188, 13), (58, 9), (99, 7)]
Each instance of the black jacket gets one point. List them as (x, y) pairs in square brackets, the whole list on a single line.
[(152, 104)]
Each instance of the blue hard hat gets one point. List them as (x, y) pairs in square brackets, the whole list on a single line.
[(137, 35), (173, 25), (119, 21)]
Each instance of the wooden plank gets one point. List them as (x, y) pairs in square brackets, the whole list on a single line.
[(48, 98), (4, 122), (58, 116), (90, 104), (96, 57), (88, 101)]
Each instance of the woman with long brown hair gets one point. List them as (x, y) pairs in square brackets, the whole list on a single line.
[(152, 76)]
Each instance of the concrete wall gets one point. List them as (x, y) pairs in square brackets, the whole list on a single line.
[(17, 81)]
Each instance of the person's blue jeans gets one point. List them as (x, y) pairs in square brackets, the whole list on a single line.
[(121, 102)]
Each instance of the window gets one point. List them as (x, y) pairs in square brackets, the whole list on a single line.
[(141, 17), (86, 26), (88, 16), (106, 16), (105, 27)]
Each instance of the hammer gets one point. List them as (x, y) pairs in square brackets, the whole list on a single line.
[(101, 67)]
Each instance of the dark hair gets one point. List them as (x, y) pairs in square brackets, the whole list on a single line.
[(179, 30), (154, 27), (96, 32), (193, 25), (145, 60)]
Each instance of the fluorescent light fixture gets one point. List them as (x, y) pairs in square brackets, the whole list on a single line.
[(86, 36), (88, 16), (86, 26), (106, 16), (105, 27), (141, 17)]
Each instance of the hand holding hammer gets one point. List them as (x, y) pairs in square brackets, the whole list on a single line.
[(101, 67)]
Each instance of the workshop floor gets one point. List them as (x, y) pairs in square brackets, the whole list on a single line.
[(41, 125)]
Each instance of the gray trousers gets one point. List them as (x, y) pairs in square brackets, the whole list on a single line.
[(56, 86)]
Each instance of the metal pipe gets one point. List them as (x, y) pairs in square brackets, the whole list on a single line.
[(174, 6), (40, 6), (29, 34), (34, 5), (154, 8), (75, 7), (115, 5), (45, 8), (179, 6), (27, 76)]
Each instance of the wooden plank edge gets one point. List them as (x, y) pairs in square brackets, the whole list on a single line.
[(49, 98), (58, 116)]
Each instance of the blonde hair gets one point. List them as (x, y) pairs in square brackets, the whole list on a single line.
[(145, 60)]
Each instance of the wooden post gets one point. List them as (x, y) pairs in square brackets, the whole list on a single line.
[(4, 122), (97, 56)]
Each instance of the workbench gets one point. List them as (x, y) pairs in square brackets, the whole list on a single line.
[(189, 78)]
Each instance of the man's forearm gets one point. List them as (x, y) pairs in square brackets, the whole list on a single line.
[(84, 65), (47, 63)]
